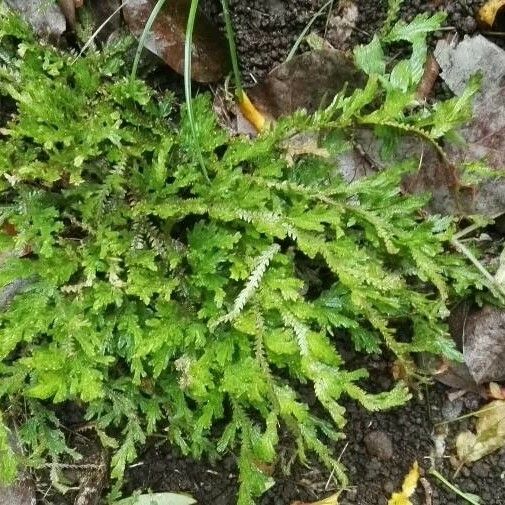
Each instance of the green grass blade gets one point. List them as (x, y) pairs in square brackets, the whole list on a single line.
[(143, 37), (233, 48), (188, 44), (300, 38)]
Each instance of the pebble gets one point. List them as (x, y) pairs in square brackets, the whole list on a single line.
[(379, 445)]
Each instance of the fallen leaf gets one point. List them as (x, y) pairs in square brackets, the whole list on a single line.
[(408, 488), (251, 113), (159, 499), (492, 14), (308, 81), (484, 344), (210, 57), (489, 434)]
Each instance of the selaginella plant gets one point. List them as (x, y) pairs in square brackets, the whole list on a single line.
[(162, 301)]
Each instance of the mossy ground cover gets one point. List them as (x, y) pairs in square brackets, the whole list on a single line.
[(162, 298)]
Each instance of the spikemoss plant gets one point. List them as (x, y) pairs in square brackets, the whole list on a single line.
[(163, 301)]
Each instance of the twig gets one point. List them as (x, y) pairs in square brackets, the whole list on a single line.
[(428, 491), (430, 76)]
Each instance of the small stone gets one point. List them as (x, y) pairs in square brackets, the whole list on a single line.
[(389, 487), (469, 24), (379, 444)]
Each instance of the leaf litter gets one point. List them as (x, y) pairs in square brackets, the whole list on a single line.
[(489, 434), (210, 60)]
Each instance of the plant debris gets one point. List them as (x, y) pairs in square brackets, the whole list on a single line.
[(492, 15), (489, 434)]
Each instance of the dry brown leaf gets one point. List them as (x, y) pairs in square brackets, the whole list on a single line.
[(492, 14), (307, 81), (489, 434), (210, 58)]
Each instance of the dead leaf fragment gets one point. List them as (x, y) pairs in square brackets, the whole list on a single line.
[(492, 14), (489, 434), (210, 60), (408, 487), (342, 24), (308, 81)]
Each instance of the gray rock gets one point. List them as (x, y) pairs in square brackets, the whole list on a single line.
[(45, 17), (485, 134)]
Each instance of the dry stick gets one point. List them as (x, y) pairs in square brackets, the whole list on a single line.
[(428, 491), (430, 76)]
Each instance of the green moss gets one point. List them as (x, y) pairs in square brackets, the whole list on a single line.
[(161, 301)]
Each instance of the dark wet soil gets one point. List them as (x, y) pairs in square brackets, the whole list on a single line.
[(378, 451), (267, 29)]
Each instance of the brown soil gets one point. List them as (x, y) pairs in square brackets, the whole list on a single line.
[(409, 431)]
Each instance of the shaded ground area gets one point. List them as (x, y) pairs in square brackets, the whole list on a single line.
[(378, 452)]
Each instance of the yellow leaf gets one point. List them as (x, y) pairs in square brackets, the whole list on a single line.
[(488, 12), (489, 433), (408, 487)]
